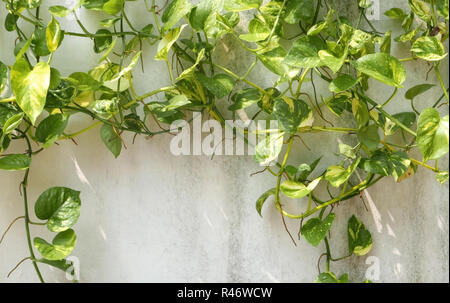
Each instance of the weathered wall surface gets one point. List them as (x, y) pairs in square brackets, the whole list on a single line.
[(150, 216)]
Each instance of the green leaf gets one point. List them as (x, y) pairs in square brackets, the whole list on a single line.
[(11, 22), (384, 163), (369, 136), (304, 52), (342, 83), (15, 162), (297, 10), (273, 60), (59, 11), (54, 35), (347, 151), (421, 9), (406, 118), (258, 31), (189, 72), (30, 87), (268, 149), (102, 43), (85, 82), (329, 277), (442, 8), (395, 13), (167, 41), (360, 111), (442, 177), (3, 77), (220, 85), (333, 62), (176, 10), (105, 108), (306, 169), (60, 206), (337, 175), (51, 128), (261, 200), (199, 15), (39, 42), (382, 67), (429, 48), (417, 90), (62, 245), (432, 134), (111, 139), (245, 98), (297, 190), (291, 113), (12, 123), (315, 230), (338, 103), (241, 5), (359, 238), (176, 102), (112, 7)]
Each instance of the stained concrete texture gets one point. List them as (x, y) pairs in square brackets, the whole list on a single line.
[(149, 216)]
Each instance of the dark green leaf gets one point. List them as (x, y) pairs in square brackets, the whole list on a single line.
[(305, 52), (369, 136), (111, 139), (15, 162), (417, 90), (60, 206), (51, 128), (385, 163), (176, 10), (342, 83), (297, 10)]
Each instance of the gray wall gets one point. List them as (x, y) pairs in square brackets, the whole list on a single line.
[(150, 216)]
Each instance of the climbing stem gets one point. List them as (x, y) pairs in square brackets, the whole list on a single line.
[(27, 217)]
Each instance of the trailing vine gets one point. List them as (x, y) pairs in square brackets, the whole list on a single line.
[(37, 101)]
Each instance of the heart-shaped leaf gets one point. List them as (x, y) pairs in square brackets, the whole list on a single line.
[(291, 113), (15, 162), (342, 83), (385, 163), (62, 245), (297, 190), (315, 230), (305, 52), (382, 67), (268, 149), (432, 134), (337, 175), (60, 206), (176, 10), (51, 128), (262, 199), (359, 238), (30, 87), (429, 48)]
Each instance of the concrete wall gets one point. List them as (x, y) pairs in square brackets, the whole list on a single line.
[(149, 216)]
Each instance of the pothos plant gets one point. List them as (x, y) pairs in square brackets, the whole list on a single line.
[(38, 101)]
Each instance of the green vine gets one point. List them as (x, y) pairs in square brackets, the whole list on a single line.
[(37, 101)]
